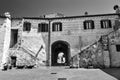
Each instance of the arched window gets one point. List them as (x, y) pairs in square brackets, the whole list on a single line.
[(88, 24), (57, 26), (105, 24), (43, 27), (26, 26)]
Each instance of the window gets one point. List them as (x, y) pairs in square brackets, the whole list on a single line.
[(26, 26), (106, 24), (57, 26), (89, 24), (43, 27), (118, 48)]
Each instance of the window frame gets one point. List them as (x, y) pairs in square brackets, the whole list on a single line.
[(42, 27), (56, 26), (27, 26), (105, 23), (88, 24)]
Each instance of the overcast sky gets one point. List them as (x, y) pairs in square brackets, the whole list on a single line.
[(67, 7)]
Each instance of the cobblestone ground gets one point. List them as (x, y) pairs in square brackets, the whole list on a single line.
[(53, 73)]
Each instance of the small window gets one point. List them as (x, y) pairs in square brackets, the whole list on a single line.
[(43, 27), (106, 24), (26, 26), (118, 48), (57, 27), (88, 24)]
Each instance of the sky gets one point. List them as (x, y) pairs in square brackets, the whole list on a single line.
[(36, 8)]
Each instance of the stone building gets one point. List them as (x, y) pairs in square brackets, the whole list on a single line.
[(39, 40)]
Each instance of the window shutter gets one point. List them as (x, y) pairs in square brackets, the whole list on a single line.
[(46, 27), (60, 26), (43, 27), (84, 24), (57, 26), (92, 25), (53, 27), (26, 26), (101, 22), (29, 27), (110, 26)]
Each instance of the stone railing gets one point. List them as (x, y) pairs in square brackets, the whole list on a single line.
[(25, 57), (93, 54)]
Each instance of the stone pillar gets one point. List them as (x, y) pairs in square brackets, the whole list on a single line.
[(106, 53), (106, 59), (7, 36)]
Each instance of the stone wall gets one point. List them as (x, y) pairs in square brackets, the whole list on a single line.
[(114, 39), (2, 34), (33, 45), (106, 47), (92, 56), (74, 33)]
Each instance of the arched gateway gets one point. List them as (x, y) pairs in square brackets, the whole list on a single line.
[(60, 53)]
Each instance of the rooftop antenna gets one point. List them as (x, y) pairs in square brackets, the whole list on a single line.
[(7, 14)]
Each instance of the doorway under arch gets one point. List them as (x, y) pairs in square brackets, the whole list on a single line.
[(57, 48)]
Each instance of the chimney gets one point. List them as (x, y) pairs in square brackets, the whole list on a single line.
[(116, 8), (7, 14), (86, 13)]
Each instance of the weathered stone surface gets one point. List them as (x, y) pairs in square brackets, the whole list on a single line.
[(24, 59), (104, 54), (31, 52), (114, 39), (6, 44), (34, 44), (2, 34)]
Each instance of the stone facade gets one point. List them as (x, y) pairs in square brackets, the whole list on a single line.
[(103, 53), (2, 31), (38, 47)]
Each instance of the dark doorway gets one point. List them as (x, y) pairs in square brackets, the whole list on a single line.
[(13, 61), (57, 48), (14, 37)]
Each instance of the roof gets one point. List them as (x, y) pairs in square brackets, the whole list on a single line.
[(36, 18), (87, 16), (67, 17), (16, 18), (2, 16)]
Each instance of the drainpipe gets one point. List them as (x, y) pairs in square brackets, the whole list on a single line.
[(49, 44), (109, 50), (20, 31), (80, 42)]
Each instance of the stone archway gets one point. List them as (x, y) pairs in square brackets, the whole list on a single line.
[(57, 47)]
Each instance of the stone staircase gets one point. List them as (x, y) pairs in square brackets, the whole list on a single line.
[(25, 57), (96, 55)]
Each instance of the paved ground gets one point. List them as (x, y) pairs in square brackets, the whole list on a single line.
[(53, 73)]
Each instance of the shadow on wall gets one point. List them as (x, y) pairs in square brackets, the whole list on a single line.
[(115, 72)]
